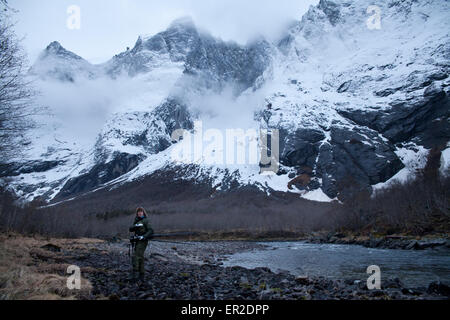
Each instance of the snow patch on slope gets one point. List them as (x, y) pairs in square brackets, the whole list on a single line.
[(445, 162), (414, 158)]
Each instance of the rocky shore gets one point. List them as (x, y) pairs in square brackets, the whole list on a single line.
[(193, 270), (383, 242), (36, 268)]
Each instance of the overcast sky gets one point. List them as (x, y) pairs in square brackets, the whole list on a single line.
[(109, 26)]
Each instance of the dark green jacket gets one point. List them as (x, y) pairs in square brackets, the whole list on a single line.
[(141, 227)]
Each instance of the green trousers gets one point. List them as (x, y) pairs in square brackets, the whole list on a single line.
[(138, 257)]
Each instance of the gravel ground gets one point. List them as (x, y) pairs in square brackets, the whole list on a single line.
[(194, 271)]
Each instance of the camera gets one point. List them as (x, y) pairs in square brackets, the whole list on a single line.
[(135, 239)]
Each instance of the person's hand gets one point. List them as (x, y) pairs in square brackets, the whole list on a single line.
[(141, 238)]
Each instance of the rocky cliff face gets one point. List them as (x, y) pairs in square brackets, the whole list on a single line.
[(214, 61), (356, 107), (353, 97), (169, 47)]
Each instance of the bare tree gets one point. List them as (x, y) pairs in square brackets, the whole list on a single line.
[(16, 93)]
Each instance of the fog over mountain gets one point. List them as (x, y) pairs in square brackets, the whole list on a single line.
[(355, 107), (115, 23)]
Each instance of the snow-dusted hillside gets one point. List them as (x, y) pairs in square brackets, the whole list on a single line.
[(355, 106)]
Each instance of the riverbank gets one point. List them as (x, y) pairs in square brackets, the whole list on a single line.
[(190, 270), (403, 242), (369, 240)]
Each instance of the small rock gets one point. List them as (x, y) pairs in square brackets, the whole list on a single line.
[(143, 295), (302, 280), (377, 293), (407, 291), (392, 283), (438, 76), (413, 245), (439, 288), (51, 247)]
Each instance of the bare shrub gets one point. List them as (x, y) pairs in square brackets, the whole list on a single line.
[(418, 206), (16, 92)]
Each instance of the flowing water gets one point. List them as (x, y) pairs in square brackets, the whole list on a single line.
[(413, 268)]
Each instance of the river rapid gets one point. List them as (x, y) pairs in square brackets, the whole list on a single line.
[(341, 262)]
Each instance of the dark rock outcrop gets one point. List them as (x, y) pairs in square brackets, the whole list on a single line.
[(221, 63), (175, 115), (300, 148), (101, 173), (16, 169), (351, 159), (331, 10), (424, 120)]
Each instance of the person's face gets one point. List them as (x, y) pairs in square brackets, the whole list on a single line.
[(140, 214)]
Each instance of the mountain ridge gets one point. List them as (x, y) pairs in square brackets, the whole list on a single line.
[(356, 108)]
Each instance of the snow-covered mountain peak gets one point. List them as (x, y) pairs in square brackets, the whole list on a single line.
[(151, 52), (60, 64), (56, 49), (357, 102)]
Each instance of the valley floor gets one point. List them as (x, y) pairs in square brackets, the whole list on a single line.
[(36, 268)]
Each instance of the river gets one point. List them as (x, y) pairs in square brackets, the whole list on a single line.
[(413, 268)]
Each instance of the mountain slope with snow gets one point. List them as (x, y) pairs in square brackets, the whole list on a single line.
[(355, 107), (351, 96)]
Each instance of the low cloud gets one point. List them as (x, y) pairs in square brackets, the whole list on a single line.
[(109, 26), (80, 110)]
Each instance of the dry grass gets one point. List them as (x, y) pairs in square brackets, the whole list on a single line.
[(28, 272)]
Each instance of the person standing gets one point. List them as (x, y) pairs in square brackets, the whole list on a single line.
[(143, 233)]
